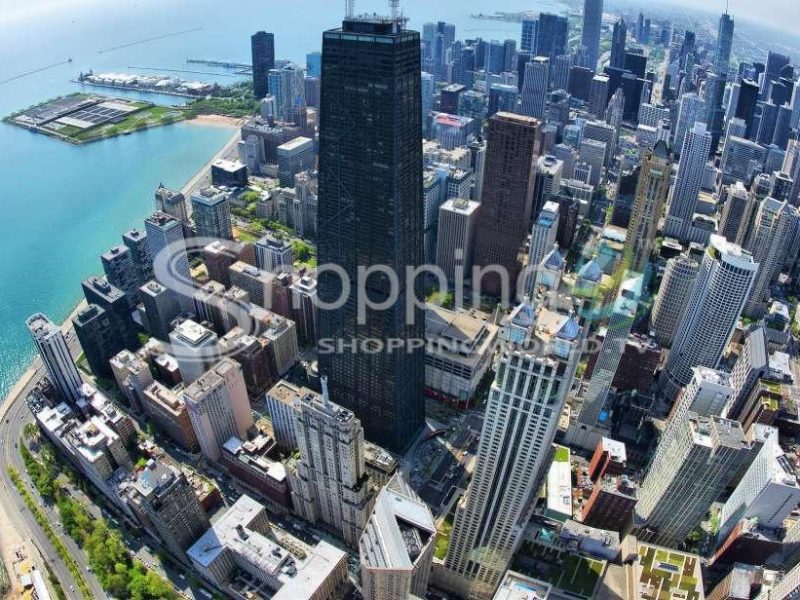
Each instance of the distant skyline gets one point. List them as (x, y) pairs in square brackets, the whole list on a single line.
[(779, 14)]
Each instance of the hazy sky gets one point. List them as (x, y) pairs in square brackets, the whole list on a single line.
[(783, 14)]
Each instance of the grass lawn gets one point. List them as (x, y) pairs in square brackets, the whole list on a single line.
[(443, 537), (244, 236)]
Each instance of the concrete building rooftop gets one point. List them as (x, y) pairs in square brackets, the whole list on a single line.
[(516, 586), (399, 529)]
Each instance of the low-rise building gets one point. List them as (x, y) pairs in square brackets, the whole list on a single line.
[(243, 539), (91, 402), (516, 586), (379, 463), (250, 462), (279, 401), (459, 350), (166, 506), (168, 412)]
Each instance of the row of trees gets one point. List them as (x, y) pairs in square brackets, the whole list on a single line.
[(118, 572)]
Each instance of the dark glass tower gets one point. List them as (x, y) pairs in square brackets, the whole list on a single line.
[(551, 36), (590, 34), (262, 48), (370, 213), (722, 58), (746, 106), (618, 39)]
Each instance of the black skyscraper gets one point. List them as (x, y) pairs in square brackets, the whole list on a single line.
[(746, 106), (551, 36), (370, 213), (618, 39), (262, 47)]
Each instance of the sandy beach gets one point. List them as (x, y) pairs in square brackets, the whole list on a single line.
[(217, 121)]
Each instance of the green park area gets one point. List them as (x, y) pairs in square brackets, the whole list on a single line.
[(81, 118)]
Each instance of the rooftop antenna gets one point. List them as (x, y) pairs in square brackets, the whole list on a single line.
[(350, 8), (394, 8)]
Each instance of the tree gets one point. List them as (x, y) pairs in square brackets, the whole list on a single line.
[(31, 432), (301, 250), (250, 196)]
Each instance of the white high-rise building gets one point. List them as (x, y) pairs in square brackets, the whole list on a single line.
[(768, 491), (593, 152), (55, 355), (676, 285), (170, 261), (397, 545), (218, 406), (598, 95), (692, 109), (274, 255), (751, 364), (691, 170), (535, 370), (694, 462), (534, 88), (623, 312), (723, 285), (650, 114), (330, 484), (543, 234), (195, 348), (770, 240), (706, 395), (455, 237), (795, 104)]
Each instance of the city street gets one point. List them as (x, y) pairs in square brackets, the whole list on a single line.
[(16, 415)]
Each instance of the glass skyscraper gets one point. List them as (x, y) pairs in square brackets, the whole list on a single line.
[(370, 213), (262, 47)]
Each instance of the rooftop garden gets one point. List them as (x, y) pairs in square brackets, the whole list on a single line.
[(569, 572), (666, 573)]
